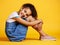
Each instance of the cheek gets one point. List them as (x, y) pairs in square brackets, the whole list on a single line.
[(23, 12)]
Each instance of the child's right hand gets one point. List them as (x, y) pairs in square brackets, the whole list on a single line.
[(40, 21), (36, 22)]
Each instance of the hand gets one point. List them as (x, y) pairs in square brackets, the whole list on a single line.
[(41, 21)]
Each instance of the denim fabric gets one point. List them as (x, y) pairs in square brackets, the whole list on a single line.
[(16, 31)]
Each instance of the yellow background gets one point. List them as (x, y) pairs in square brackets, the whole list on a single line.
[(48, 11)]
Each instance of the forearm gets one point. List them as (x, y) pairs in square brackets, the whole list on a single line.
[(20, 20), (33, 19)]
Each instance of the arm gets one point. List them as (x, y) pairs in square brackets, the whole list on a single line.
[(32, 19), (20, 20)]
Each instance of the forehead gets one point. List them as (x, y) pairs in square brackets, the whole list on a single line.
[(28, 11)]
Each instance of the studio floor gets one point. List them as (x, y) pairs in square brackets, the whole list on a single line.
[(30, 40)]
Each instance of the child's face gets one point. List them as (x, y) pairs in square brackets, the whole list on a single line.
[(25, 12)]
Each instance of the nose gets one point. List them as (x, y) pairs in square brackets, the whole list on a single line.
[(25, 16)]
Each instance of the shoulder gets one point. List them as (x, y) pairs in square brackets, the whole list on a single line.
[(14, 13)]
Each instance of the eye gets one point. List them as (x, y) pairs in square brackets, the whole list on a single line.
[(25, 11), (27, 14)]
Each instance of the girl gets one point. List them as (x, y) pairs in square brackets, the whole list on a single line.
[(18, 22)]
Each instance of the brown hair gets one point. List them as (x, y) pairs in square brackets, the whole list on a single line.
[(32, 8)]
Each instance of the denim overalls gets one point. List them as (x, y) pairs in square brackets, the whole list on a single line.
[(16, 31)]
